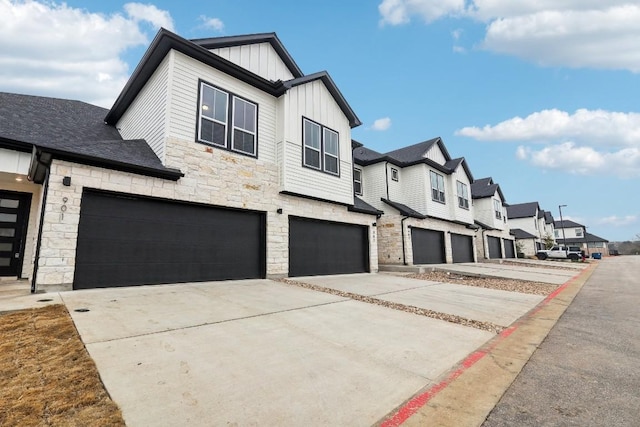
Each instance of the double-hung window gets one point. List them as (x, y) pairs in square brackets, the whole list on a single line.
[(578, 232), (321, 148), (357, 182), (497, 208), (463, 195), (232, 128), (437, 187)]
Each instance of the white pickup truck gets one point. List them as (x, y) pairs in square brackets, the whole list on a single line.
[(561, 252)]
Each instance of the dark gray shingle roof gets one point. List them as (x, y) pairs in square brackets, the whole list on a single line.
[(522, 210), (567, 224), (548, 218), (588, 238), (361, 206), (75, 131), (38, 119), (364, 155), (521, 234), (485, 187), (404, 209), (413, 152)]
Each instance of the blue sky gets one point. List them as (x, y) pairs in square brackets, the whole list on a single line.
[(542, 95)]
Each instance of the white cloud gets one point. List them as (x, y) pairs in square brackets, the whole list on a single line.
[(395, 12), (56, 50), (588, 126), (577, 160), (618, 221), (573, 33), (149, 13), (213, 23), (381, 124)]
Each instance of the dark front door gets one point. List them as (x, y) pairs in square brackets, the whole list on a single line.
[(126, 240), (494, 247), (325, 247), (462, 248), (14, 217), (428, 246)]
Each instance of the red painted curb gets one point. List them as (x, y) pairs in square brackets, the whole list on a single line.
[(413, 405)]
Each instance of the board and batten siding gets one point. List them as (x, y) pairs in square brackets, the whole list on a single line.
[(436, 155), (183, 109), (313, 101), (146, 116), (260, 58), (483, 212)]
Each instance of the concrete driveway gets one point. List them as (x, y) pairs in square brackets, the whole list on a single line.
[(259, 352), (535, 272)]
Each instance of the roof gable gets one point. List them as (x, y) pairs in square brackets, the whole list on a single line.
[(454, 164), (523, 210), (165, 41), (567, 224), (485, 187), (249, 39)]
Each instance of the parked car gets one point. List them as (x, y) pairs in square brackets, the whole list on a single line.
[(573, 253)]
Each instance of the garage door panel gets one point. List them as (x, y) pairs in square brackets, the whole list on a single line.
[(428, 246), (495, 250), (462, 248), (124, 241), (324, 247), (509, 251)]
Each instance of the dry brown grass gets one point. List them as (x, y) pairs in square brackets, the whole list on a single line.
[(47, 378)]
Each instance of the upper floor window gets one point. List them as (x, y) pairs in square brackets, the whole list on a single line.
[(394, 174), (215, 117), (578, 232), (556, 234), (321, 147), (437, 187), (535, 222), (463, 195), (357, 182), (497, 207)]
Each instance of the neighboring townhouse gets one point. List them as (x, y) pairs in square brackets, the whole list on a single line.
[(426, 198), (491, 215), (569, 232), (526, 221), (219, 160), (550, 228)]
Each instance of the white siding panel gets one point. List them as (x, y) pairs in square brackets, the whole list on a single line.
[(415, 184), (373, 185), (183, 111), (313, 101), (437, 209), (460, 214), (436, 155), (146, 116), (260, 59), (14, 161)]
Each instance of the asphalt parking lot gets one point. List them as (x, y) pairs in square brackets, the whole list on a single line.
[(261, 352)]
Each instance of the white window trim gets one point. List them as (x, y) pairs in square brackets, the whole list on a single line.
[(497, 208), (395, 175)]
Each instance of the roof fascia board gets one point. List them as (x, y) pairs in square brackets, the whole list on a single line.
[(161, 45)]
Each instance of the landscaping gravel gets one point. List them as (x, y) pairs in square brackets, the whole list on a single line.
[(513, 285), (551, 267), (485, 326)]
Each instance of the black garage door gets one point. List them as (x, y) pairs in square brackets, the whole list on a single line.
[(428, 246), (125, 240), (462, 248), (325, 247), (494, 247), (509, 251)]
